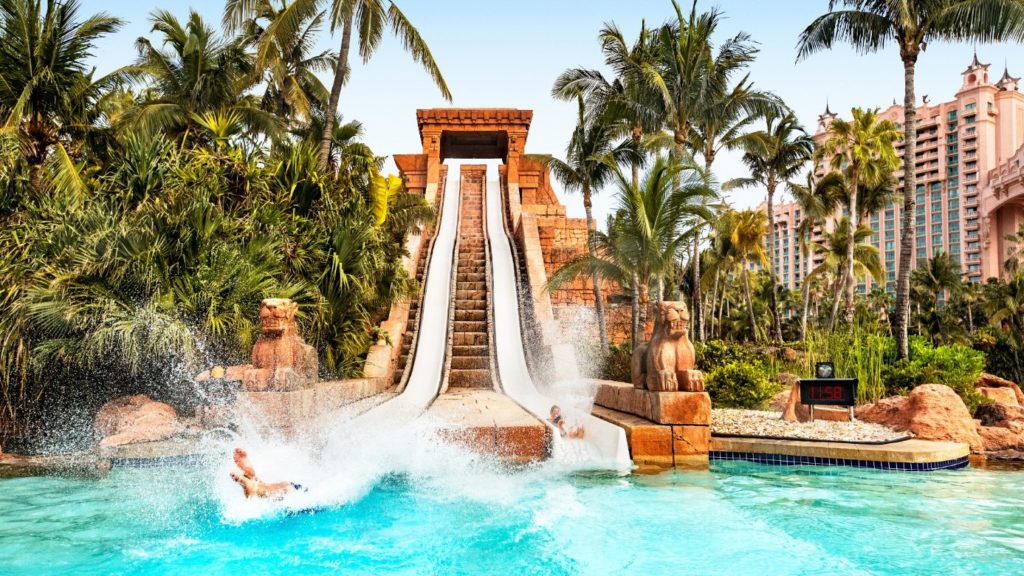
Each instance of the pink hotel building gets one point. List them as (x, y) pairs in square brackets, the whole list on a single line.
[(970, 184)]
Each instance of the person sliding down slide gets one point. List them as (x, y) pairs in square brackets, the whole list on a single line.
[(252, 486)]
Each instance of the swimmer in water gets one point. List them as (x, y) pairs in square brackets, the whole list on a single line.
[(559, 422), (253, 486)]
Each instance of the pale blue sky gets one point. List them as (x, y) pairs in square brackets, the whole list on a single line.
[(507, 54)]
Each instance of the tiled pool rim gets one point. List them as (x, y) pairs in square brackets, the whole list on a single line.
[(788, 460)]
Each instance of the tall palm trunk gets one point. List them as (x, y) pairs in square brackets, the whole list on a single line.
[(714, 294), (340, 72), (750, 302), (602, 328), (774, 300), (837, 290), (698, 307), (638, 134), (909, 185), (644, 306), (806, 308), (970, 320), (634, 314), (851, 283)]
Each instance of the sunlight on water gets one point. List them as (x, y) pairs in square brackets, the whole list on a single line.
[(473, 517)]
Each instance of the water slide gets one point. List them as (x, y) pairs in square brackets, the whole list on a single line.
[(427, 359), (604, 445)]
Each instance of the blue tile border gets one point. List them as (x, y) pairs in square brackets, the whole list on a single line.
[(787, 460)]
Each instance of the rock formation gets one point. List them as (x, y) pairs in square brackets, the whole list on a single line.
[(134, 419), (666, 363), (930, 412)]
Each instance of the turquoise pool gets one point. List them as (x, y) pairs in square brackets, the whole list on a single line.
[(737, 518)]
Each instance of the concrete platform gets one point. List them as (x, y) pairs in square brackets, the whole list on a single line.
[(916, 455), (491, 423)]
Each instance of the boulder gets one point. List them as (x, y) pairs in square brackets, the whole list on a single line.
[(1004, 396), (930, 412), (992, 381), (133, 419), (996, 414), (997, 439)]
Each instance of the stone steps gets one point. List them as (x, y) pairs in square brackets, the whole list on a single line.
[(470, 356)]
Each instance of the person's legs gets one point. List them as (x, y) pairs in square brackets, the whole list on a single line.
[(243, 463), (249, 486)]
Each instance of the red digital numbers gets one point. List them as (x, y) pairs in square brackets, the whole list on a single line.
[(827, 393)]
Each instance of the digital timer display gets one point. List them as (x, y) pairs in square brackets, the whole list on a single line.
[(828, 391)]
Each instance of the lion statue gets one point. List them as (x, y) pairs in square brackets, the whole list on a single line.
[(281, 359), (666, 363)]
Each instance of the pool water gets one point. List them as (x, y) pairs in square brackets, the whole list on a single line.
[(737, 518)]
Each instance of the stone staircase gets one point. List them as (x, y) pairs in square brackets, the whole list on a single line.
[(470, 356)]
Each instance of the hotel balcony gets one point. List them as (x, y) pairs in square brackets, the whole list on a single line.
[(973, 238), (972, 226), (971, 202)]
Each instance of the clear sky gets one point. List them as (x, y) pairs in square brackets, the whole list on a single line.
[(507, 54)]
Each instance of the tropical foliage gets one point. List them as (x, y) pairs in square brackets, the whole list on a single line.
[(144, 214)]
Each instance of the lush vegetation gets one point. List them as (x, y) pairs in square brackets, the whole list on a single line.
[(668, 102), (144, 214)]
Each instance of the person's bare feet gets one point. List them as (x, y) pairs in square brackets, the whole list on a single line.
[(242, 461), (249, 486)]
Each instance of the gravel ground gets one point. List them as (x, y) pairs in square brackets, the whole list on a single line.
[(764, 423)]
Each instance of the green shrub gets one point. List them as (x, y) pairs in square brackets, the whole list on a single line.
[(618, 363), (717, 353), (740, 385), (900, 377), (954, 365)]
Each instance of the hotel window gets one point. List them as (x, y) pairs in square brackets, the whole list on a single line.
[(920, 189), (973, 267), (969, 132), (952, 184), (972, 245), (971, 212), (890, 245), (937, 227), (969, 119), (951, 138), (919, 241), (954, 247), (919, 198), (890, 234), (890, 256), (971, 188), (954, 238), (953, 149), (920, 231), (952, 159), (920, 219), (954, 204), (922, 253), (936, 208), (889, 214), (951, 115), (970, 106), (971, 165), (920, 209), (954, 214), (952, 171)]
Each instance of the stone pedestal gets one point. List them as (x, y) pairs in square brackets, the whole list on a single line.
[(662, 428)]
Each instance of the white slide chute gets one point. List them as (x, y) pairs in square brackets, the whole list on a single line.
[(604, 445)]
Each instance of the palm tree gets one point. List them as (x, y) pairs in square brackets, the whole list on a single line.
[(46, 86), (774, 156), (818, 202), (628, 100), (869, 25), (864, 151), (836, 249), (744, 232), (938, 274), (201, 73), (689, 74), (651, 224), (590, 157), (284, 57), (371, 17)]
